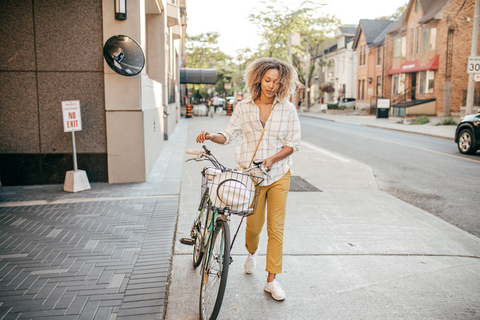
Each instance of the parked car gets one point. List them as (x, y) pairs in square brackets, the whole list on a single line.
[(230, 100), (467, 135), (347, 102)]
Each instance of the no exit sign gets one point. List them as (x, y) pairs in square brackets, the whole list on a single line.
[(72, 119)]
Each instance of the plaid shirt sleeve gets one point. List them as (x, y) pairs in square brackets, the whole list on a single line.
[(292, 138), (234, 126)]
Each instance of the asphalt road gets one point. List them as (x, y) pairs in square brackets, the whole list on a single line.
[(427, 172)]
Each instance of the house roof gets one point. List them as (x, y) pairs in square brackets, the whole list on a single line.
[(430, 8), (348, 29), (371, 29), (381, 37)]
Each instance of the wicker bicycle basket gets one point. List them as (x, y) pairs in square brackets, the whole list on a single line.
[(231, 191)]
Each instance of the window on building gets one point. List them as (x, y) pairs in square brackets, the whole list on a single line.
[(363, 89), (398, 83), (379, 56), (428, 39), (417, 6), (411, 42), (417, 42), (359, 90), (433, 38), (426, 81), (379, 86), (400, 47), (362, 55)]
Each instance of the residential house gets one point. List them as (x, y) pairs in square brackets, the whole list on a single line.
[(338, 65), (368, 45), (427, 52), (52, 51)]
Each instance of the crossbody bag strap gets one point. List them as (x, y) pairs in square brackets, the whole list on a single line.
[(263, 131)]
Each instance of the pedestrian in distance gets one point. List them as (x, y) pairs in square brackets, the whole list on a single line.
[(270, 131), (209, 107), (215, 102)]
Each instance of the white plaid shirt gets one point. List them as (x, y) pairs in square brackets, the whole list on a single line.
[(281, 129)]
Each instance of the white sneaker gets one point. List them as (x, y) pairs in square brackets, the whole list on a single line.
[(275, 289), (251, 262)]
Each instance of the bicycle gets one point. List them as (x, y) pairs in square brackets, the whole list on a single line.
[(225, 192)]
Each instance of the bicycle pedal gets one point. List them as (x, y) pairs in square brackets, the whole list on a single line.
[(187, 241)]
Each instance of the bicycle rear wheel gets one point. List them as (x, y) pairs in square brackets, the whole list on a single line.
[(200, 228), (215, 272)]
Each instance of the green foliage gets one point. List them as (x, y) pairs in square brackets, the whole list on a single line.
[(276, 22), (447, 122), (202, 52), (421, 120), (332, 106)]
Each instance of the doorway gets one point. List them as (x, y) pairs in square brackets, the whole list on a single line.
[(414, 84)]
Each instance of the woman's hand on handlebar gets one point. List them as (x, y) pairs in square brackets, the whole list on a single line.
[(203, 136), (268, 163)]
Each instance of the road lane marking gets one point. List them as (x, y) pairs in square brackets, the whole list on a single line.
[(399, 143), (325, 152)]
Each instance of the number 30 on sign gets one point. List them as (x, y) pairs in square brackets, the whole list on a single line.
[(72, 119), (473, 65)]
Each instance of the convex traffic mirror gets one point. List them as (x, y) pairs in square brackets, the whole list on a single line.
[(124, 55)]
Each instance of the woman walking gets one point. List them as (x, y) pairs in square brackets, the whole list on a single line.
[(270, 131)]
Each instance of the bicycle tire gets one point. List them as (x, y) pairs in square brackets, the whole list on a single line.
[(214, 280), (199, 234)]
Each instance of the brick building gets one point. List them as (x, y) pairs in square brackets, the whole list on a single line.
[(368, 45), (426, 55)]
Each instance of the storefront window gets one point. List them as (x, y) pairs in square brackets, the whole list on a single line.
[(398, 83), (426, 81)]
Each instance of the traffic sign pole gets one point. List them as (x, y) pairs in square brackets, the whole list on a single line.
[(75, 167), (75, 180)]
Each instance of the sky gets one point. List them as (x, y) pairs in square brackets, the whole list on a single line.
[(230, 18)]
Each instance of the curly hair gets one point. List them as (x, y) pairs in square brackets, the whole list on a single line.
[(257, 69)]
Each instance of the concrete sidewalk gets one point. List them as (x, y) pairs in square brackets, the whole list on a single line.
[(430, 129), (101, 254), (350, 251)]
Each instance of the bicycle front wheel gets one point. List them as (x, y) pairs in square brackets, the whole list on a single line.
[(215, 272)]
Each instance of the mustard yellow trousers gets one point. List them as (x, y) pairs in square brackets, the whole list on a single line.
[(274, 197)]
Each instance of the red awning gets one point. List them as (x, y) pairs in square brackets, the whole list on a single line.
[(413, 66)]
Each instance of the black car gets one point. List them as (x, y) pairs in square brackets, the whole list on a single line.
[(467, 135)]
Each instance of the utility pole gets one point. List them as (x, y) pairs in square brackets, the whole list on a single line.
[(307, 82), (291, 61), (473, 53)]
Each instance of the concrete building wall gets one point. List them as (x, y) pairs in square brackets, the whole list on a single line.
[(53, 51), (50, 53)]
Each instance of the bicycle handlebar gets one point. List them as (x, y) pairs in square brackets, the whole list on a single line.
[(207, 155), (195, 152)]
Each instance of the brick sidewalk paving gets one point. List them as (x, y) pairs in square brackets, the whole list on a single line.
[(99, 254)]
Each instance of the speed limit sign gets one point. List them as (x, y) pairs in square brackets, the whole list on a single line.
[(473, 65)]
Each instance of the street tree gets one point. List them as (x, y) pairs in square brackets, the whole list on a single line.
[(202, 51), (277, 21)]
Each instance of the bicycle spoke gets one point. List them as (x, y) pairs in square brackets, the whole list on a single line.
[(214, 277)]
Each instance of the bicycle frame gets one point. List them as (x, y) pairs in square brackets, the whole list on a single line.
[(213, 214)]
